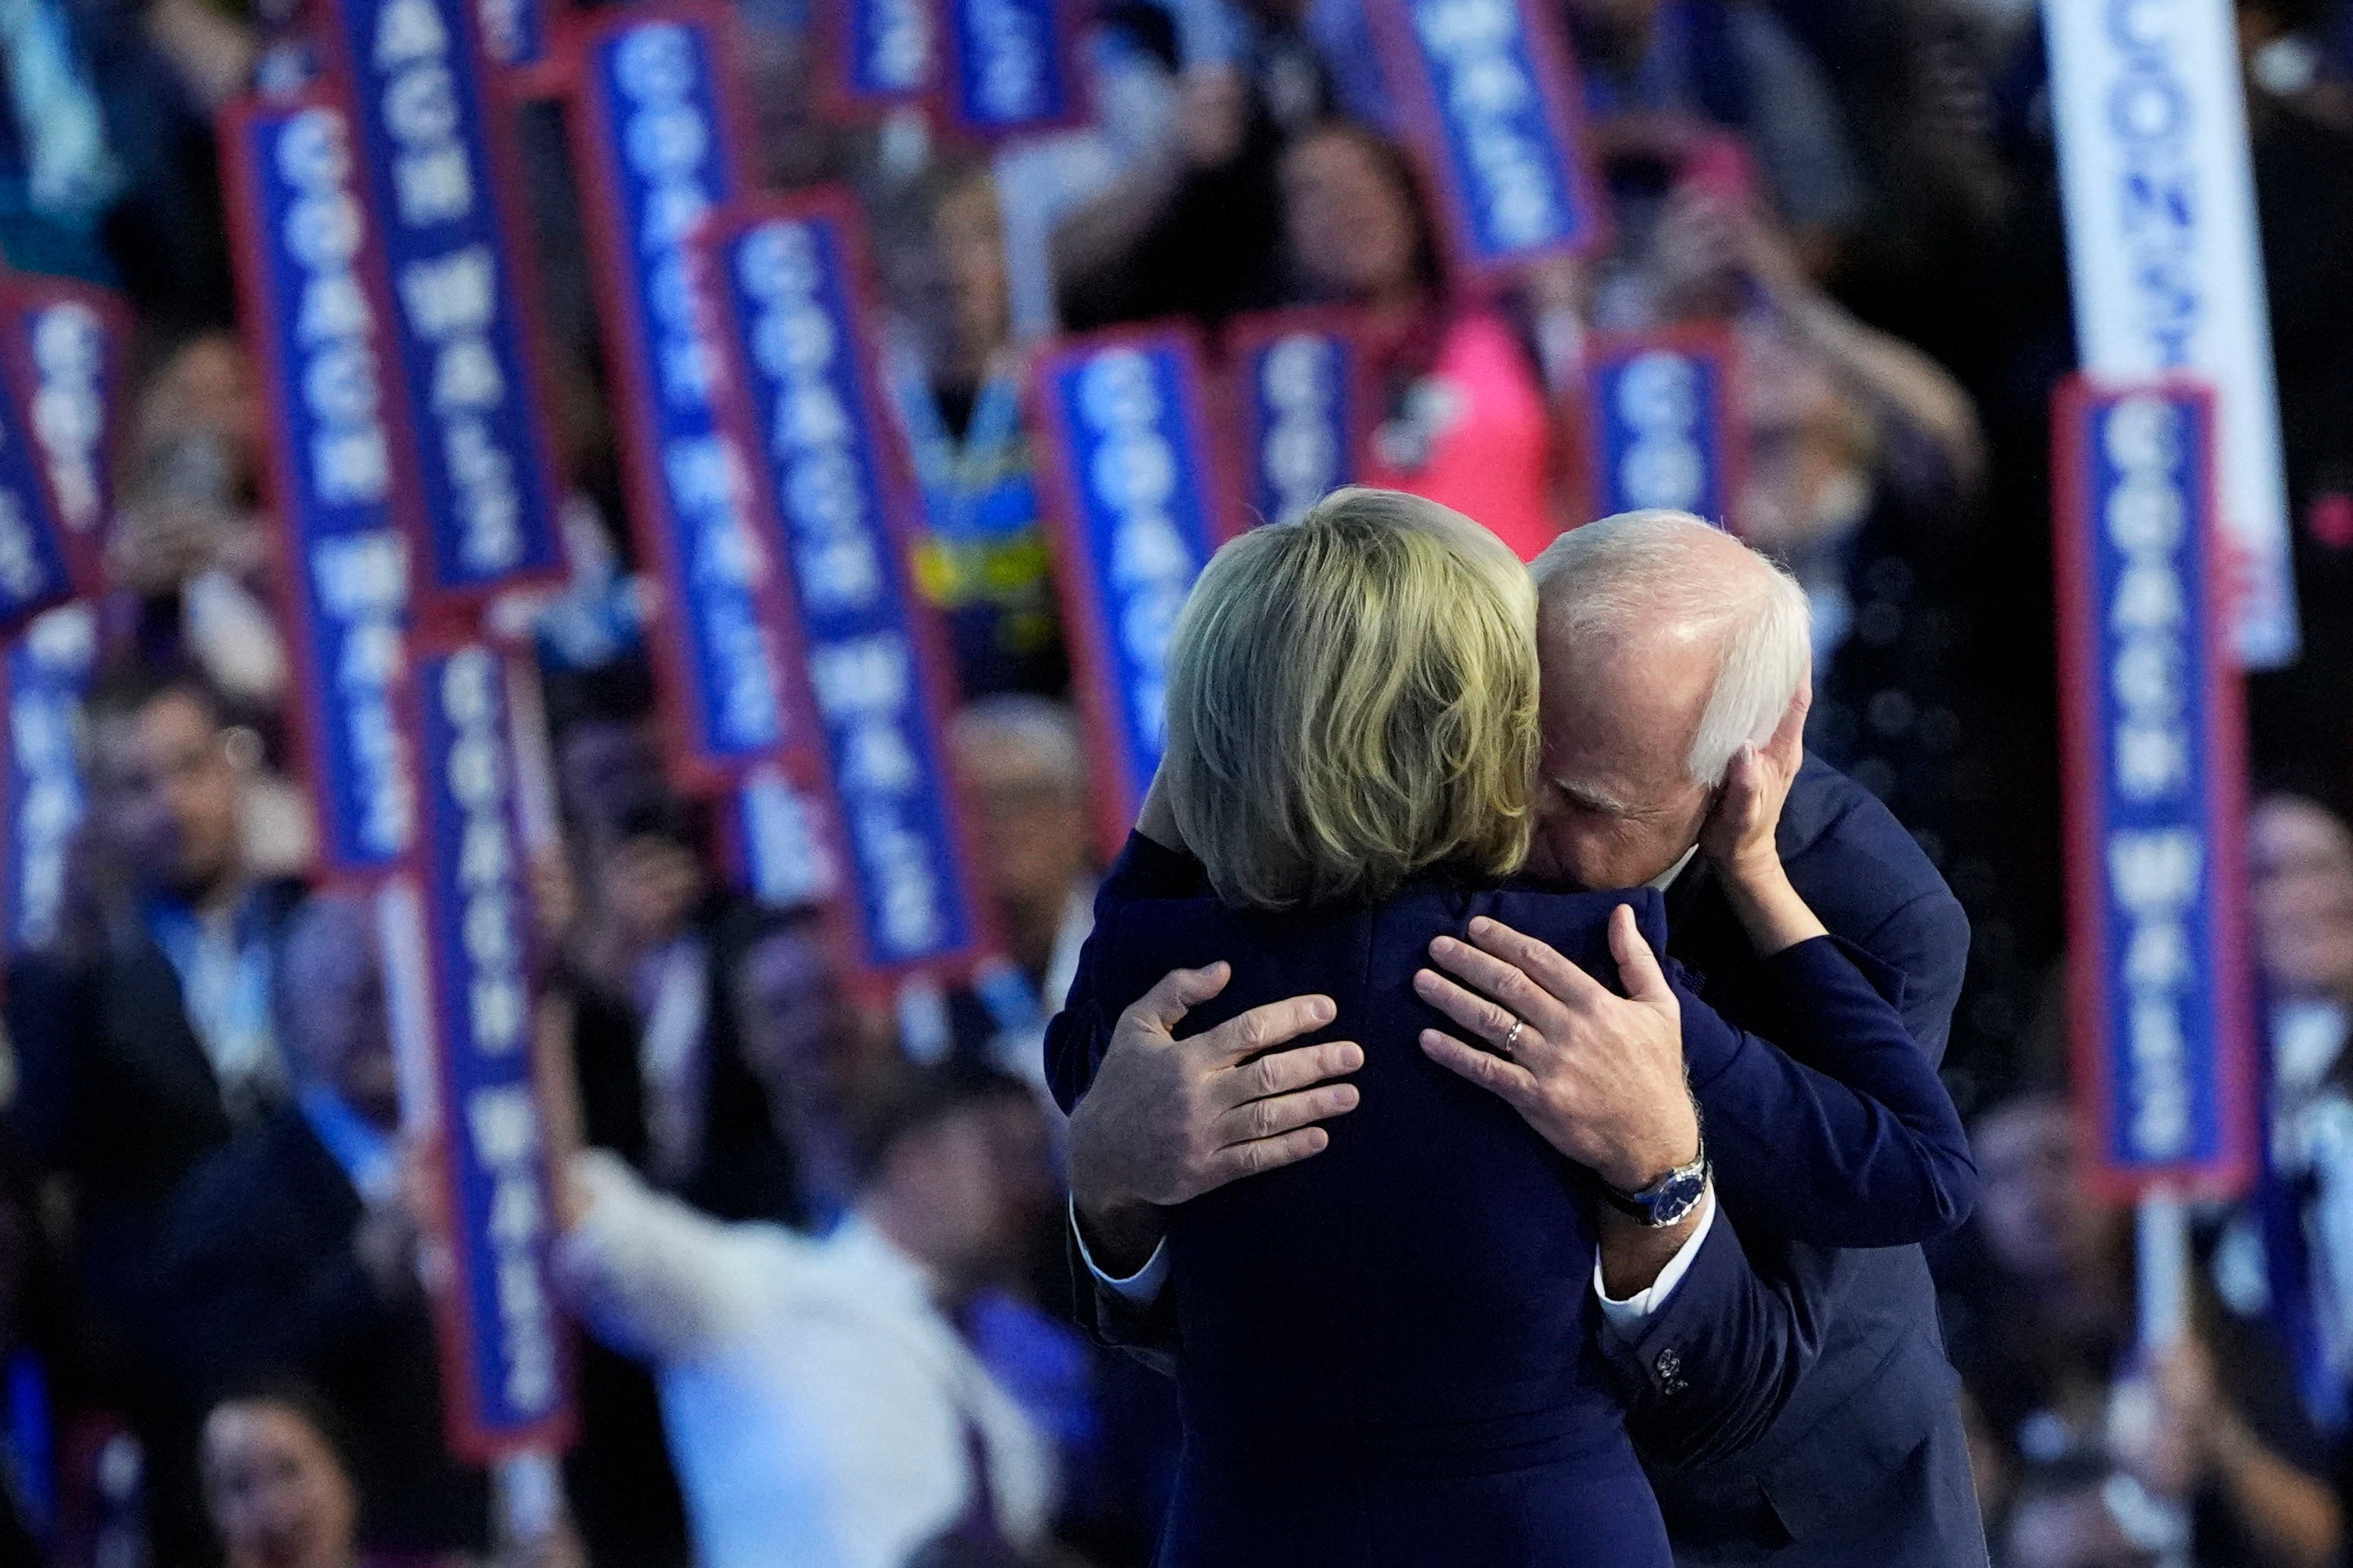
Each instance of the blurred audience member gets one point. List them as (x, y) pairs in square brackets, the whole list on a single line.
[(1021, 764), (817, 1058), (144, 1040), (1467, 420), (663, 1080), (823, 1404), (2070, 1514), (277, 1482), (983, 559), (293, 1252), (1659, 73), (2205, 1436), (2299, 1232)]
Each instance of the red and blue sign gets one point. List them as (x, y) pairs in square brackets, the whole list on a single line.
[(1664, 408), (2163, 1012), (1490, 102), (506, 1377), (41, 796), (69, 343), (437, 153), (315, 315), (1303, 390), (889, 49), (797, 331), (657, 158), (1127, 457), (1013, 66), (36, 557)]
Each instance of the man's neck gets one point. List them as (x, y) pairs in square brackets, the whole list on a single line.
[(212, 897)]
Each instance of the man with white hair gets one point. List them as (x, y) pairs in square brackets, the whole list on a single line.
[(1792, 1404)]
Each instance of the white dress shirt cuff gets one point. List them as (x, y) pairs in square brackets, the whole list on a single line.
[(1138, 1290), (1625, 1314)]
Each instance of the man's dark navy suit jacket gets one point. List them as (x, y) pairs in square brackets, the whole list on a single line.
[(1792, 1404)]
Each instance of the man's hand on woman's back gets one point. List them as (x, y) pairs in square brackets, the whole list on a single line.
[(1166, 1119)]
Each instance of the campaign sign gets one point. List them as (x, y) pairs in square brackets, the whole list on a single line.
[(2156, 777), (1490, 102), (889, 49), (2150, 118), (1664, 413), (776, 836), (1302, 390), (67, 341), (516, 33), (309, 272), (435, 155), (1013, 66), (655, 155), (41, 796), (1125, 455), (797, 331), (35, 559), (505, 1377)]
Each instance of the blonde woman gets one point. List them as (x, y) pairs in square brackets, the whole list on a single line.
[(1378, 1359)]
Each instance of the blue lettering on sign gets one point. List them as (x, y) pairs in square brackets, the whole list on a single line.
[(77, 367), (819, 456), (47, 674), (2149, 111), (1139, 469), (478, 907), (514, 32), (2163, 971), (665, 161), (890, 48), (1660, 414), (1302, 389), (347, 562), (425, 121), (34, 573), (1513, 173), (1011, 67)]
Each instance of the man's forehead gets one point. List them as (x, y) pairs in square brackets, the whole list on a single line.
[(1626, 708)]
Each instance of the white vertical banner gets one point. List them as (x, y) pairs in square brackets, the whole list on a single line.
[(2162, 253)]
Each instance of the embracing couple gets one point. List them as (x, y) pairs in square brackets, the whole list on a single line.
[(1539, 1177)]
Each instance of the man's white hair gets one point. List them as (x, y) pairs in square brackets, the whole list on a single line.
[(1659, 567)]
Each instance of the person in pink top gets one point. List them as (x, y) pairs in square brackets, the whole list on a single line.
[(1466, 422)]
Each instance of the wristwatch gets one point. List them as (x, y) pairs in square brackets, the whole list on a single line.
[(1668, 1201)]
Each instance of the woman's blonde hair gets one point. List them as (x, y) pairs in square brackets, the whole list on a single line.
[(1352, 698)]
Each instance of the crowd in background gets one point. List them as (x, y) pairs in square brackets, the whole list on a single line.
[(824, 1283)]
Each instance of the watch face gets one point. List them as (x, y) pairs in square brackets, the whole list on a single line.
[(1672, 1197)]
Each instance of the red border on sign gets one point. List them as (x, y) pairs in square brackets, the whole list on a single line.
[(1079, 106), (509, 197), (622, 328), (1095, 680), (830, 42), (25, 292), (2084, 766), (896, 474), (1549, 57), (1694, 339), (1247, 335), (469, 1438), (250, 253)]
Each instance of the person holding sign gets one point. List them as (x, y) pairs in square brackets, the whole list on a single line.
[(1379, 1363), (1841, 1440), (1466, 423)]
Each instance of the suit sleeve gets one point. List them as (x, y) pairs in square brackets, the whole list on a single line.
[(1704, 1375), (1846, 1137)]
